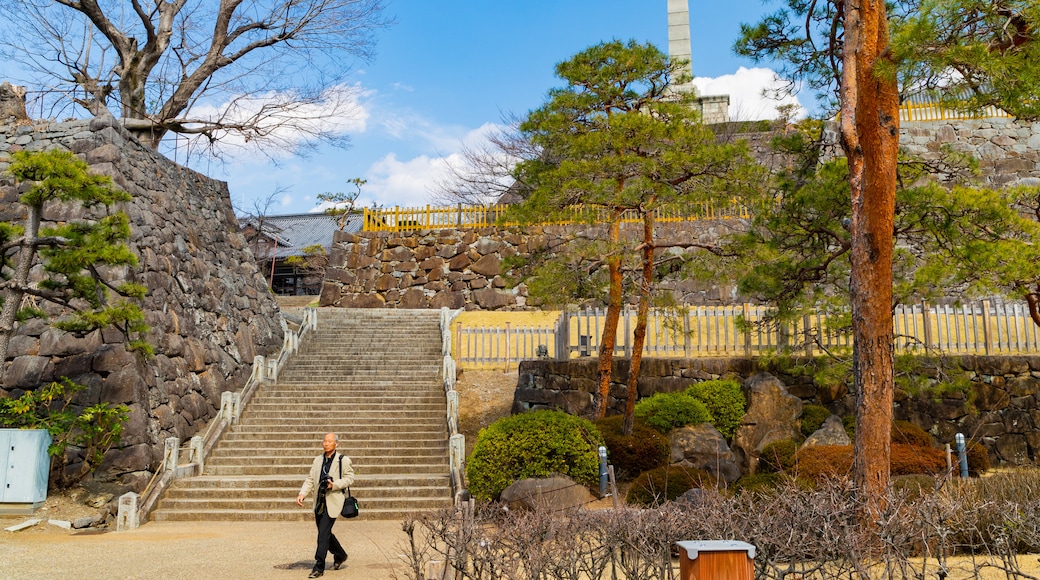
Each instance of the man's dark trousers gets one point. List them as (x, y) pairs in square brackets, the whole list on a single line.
[(326, 541)]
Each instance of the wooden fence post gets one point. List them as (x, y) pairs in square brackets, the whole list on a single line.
[(507, 346), (747, 331), (927, 318), (987, 331), (687, 335)]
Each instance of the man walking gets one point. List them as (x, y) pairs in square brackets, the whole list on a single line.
[(330, 474)]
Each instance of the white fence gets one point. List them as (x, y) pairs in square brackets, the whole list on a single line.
[(983, 327)]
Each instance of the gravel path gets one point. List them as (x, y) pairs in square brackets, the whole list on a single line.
[(194, 550)]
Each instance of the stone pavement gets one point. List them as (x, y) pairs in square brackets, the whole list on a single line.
[(202, 550)]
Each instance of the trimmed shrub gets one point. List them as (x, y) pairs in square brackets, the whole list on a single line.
[(823, 462), (657, 486), (907, 433), (631, 455), (535, 444), (912, 460), (978, 459), (849, 423), (827, 461), (914, 487), (725, 400), (667, 411), (813, 417), (758, 483), (777, 457)]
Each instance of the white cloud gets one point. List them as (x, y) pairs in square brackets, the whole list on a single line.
[(405, 183), (751, 91), (288, 119)]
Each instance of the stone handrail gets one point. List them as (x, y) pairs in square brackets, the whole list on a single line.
[(456, 440), (231, 405)]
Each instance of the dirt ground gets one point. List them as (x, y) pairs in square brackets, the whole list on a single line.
[(484, 397)]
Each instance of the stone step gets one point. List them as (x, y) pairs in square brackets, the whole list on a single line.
[(353, 451), (293, 470), (370, 400), (280, 493), (311, 444), (296, 514), (357, 455), (288, 502), (314, 436), (338, 423), (363, 480)]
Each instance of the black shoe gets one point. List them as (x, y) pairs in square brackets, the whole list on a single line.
[(337, 564), (316, 573)]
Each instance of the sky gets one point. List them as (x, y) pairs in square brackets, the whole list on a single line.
[(448, 72)]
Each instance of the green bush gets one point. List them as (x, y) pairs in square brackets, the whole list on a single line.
[(535, 444), (759, 483), (724, 400), (633, 454), (813, 417), (777, 457), (657, 486), (667, 411)]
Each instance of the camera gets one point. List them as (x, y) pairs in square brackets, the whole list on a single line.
[(323, 483)]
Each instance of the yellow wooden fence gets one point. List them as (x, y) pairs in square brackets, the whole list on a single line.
[(405, 219)]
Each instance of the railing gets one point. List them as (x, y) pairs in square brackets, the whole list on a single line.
[(983, 327), (200, 446), (456, 440), (922, 107), (403, 219)]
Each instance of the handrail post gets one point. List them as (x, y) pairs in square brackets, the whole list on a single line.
[(170, 454)]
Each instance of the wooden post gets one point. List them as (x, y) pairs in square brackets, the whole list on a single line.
[(507, 346), (807, 323), (687, 335), (987, 331), (747, 333), (458, 342), (926, 316)]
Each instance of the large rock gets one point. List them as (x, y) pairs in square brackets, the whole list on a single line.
[(703, 447), (832, 432), (549, 493), (773, 415)]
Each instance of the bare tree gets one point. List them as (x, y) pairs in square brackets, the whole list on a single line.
[(269, 71)]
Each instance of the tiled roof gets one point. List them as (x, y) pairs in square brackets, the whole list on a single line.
[(295, 232)]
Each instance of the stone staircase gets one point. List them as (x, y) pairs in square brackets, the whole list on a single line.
[(372, 377)]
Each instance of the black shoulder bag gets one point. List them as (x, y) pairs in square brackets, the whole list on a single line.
[(350, 504)]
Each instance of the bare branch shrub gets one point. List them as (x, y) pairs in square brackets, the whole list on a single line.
[(936, 528)]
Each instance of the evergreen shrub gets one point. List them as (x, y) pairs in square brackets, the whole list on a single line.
[(978, 459), (663, 484), (813, 417), (724, 400), (759, 483), (667, 411), (535, 444), (633, 454), (777, 457)]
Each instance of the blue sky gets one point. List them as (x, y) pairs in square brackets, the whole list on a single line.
[(449, 70)]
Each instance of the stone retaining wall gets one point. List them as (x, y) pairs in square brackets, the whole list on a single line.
[(1001, 409), (208, 305), (467, 268)]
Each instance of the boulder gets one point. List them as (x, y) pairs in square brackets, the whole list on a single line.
[(773, 415), (832, 432), (555, 493), (703, 447)]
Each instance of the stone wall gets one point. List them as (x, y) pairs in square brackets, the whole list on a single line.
[(1008, 150), (466, 268), (208, 305), (1001, 409)]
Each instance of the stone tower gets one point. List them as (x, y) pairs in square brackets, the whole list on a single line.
[(714, 108), (679, 39)]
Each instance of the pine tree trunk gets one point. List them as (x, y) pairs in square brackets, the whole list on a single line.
[(639, 338), (610, 325), (870, 137)]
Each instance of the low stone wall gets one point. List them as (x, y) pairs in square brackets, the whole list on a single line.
[(1000, 410), (466, 268), (208, 305)]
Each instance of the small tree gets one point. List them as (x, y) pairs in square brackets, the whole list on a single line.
[(620, 140), (94, 429), (71, 255)]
